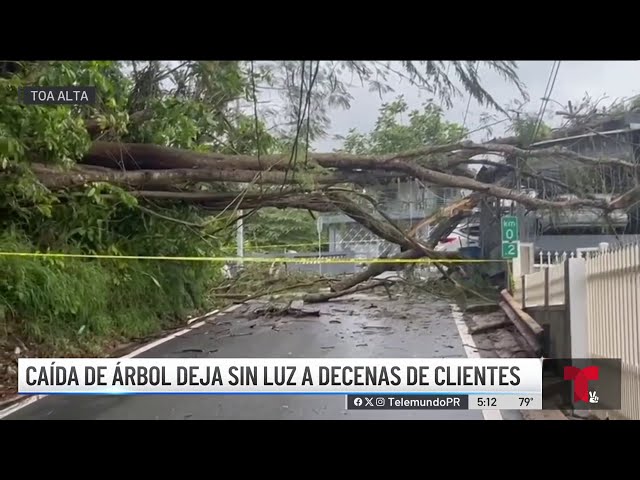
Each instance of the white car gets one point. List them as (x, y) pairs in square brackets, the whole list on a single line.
[(461, 237)]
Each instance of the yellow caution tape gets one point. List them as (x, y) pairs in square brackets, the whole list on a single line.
[(304, 260)]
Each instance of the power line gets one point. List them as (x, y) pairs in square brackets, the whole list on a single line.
[(464, 121), (551, 82), (547, 96), (546, 93)]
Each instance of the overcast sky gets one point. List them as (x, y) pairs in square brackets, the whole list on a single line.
[(615, 79)]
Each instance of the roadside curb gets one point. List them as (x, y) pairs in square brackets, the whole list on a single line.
[(192, 324), (471, 351), (471, 348)]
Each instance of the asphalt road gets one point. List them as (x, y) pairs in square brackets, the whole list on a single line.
[(358, 327)]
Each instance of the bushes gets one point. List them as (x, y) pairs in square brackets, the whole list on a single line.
[(78, 304)]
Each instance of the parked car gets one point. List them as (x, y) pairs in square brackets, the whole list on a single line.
[(462, 237)]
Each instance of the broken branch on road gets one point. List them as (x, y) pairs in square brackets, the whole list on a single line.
[(323, 297)]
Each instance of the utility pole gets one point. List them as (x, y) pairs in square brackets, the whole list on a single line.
[(240, 236), (519, 207), (240, 222), (319, 230)]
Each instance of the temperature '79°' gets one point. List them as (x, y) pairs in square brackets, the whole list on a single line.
[(525, 401)]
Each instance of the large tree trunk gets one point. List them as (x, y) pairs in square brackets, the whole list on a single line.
[(142, 156), (57, 179), (178, 167), (221, 201)]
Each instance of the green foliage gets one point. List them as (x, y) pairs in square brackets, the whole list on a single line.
[(526, 128), (50, 134), (250, 139), (72, 305), (75, 305), (196, 110), (174, 123), (56, 134), (391, 134), (25, 197)]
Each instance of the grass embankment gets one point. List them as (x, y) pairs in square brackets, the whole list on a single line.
[(76, 307)]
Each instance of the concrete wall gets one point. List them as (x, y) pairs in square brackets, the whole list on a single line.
[(328, 269), (557, 331), (402, 201)]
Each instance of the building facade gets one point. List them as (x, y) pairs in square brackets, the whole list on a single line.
[(405, 202), (566, 230)]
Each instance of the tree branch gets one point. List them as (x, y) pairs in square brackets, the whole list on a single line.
[(164, 167), (56, 179)]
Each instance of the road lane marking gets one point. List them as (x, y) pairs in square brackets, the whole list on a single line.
[(192, 326), (471, 351)]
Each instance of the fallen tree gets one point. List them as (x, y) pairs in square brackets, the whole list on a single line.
[(358, 287), (155, 171), (161, 173), (443, 227), (294, 178), (149, 167)]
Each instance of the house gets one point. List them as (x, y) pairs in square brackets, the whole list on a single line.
[(568, 230), (406, 202)]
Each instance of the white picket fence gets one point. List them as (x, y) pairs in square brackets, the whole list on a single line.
[(535, 291), (613, 318), (545, 264), (544, 259), (603, 300)]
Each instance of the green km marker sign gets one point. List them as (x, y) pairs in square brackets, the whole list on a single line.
[(509, 250), (510, 237), (510, 229)]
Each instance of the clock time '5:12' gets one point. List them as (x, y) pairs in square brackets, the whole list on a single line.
[(487, 401)]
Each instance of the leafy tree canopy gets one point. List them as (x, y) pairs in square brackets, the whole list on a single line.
[(196, 105), (399, 129)]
